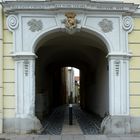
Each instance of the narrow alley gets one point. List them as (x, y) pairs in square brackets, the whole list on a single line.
[(83, 123)]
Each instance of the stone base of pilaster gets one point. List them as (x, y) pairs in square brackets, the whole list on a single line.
[(22, 125), (120, 125)]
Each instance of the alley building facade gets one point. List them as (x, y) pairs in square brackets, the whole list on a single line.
[(100, 38)]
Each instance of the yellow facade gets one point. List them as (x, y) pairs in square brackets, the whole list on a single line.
[(134, 46), (1, 71), (8, 74)]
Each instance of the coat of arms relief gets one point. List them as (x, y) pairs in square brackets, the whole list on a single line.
[(70, 22)]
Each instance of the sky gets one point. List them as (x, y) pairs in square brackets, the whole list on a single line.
[(76, 72)]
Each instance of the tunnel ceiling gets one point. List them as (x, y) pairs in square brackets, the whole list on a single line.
[(79, 50)]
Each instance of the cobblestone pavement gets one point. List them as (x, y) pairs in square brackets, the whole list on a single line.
[(89, 124), (53, 125)]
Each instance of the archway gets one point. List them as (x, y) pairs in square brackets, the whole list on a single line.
[(109, 33), (81, 50)]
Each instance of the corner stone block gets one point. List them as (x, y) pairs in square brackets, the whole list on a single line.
[(135, 124), (118, 125)]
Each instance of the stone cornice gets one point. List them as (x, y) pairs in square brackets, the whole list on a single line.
[(24, 56), (138, 11), (124, 56), (19, 6)]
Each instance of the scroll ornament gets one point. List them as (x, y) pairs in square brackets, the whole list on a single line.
[(128, 23), (12, 22)]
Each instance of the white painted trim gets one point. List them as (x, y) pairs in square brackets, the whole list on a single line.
[(14, 6), (119, 85), (25, 78)]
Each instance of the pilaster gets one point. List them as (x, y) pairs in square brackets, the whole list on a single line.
[(25, 120), (25, 86), (119, 84), (1, 71)]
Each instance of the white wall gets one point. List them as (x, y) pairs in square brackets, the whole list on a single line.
[(98, 91)]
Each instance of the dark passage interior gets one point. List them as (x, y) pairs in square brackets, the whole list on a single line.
[(81, 50)]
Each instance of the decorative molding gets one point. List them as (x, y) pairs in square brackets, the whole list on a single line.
[(128, 23), (26, 67), (70, 22), (12, 22), (106, 25), (23, 56), (122, 56), (35, 25), (117, 67), (14, 6)]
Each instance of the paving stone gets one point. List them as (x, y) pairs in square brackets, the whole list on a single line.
[(96, 137), (130, 138), (55, 137), (103, 137), (8, 137), (91, 137), (114, 138), (54, 123), (25, 138), (67, 137), (44, 137), (79, 137), (89, 124)]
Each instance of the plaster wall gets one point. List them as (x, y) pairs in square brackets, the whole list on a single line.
[(1, 71), (98, 91), (134, 46), (102, 95)]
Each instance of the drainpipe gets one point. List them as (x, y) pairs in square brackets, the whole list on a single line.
[(1, 70)]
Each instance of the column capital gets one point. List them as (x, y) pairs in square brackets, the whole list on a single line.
[(24, 56), (120, 56)]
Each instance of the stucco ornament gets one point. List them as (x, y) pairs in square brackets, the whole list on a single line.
[(106, 25), (35, 25), (70, 22), (117, 67), (12, 22), (128, 23)]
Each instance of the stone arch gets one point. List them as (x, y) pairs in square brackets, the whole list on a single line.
[(87, 29), (82, 31)]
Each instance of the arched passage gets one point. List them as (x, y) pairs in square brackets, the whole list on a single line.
[(81, 50)]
